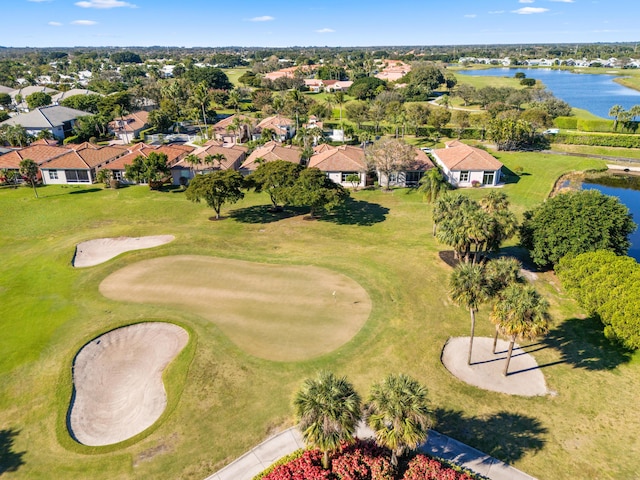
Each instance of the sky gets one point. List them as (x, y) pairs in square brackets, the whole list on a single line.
[(350, 23)]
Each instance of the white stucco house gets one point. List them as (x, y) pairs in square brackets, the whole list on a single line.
[(340, 162), (466, 166)]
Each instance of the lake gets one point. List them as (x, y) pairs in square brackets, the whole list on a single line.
[(593, 92), (627, 189)]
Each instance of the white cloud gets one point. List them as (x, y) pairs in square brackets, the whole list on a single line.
[(104, 4), (38, 1), (470, 15), (529, 10), (325, 30), (496, 12), (526, 1), (55, 24), (264, 18), (85, 23), (566, 1)]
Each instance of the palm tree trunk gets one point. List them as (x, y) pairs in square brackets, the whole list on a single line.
[(473, 329), (325, 460), (35, 190), (394, 458), (506, 367), (435, 225), (495, 341)]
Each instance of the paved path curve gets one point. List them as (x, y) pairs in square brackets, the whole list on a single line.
[(438, 445)]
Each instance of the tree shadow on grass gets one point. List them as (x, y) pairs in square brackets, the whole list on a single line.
[(265, 214), (582, 344), (506, 436), (85, 190), (10, 460), (357, 212), (508, 176)]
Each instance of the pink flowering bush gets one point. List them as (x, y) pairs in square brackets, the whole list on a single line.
[(426, 468), (306, 467), (363, 461)]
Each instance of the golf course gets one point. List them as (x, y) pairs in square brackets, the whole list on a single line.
[(266, 300)]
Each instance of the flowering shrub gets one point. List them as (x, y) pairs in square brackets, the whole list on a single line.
[(476, 184), (363, 460), (307, 467), (427, 468)]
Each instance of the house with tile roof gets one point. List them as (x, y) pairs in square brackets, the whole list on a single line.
[(37, 152), (341, 162), (56, 119), (59, 97), (463, 165), (129, 126), (232, 156), (411, 174), (18, 96), (269, 152), (284, 128), (224, 131), (79, 164)]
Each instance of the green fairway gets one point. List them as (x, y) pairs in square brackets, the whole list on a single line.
[(223, 399)]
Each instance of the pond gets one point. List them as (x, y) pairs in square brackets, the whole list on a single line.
[(627, 189), (596, 93)]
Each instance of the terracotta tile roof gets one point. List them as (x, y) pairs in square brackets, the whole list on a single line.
[(344, 158), (95, 156), (173, 153), (226, 122), (130, 123), (120, 162), (275, 123), (322, 147), (271, 151), (37, 153), (44, 141), (233, 156), (69, 161), (459, 156), (420, 163)]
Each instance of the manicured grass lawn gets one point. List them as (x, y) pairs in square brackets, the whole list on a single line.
[(225, 400), (481, 82), (606, 151), (235, 73)]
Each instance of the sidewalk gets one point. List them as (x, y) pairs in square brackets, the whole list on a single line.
[(290, 440)]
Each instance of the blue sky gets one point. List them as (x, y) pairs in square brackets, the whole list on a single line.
[(64, 23)]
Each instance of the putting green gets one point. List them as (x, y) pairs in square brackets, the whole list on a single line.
[(276, 312)]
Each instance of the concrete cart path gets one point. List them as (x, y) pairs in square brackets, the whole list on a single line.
[(290, 440)]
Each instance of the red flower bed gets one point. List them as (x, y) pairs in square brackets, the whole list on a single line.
[(363, 460)]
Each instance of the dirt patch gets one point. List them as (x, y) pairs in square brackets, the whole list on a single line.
[(95, 252), (117, 379), (485, 371), (276, 312)]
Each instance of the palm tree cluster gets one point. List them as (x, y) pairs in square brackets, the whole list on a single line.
[(519, 310), (473, 228), (328, 410)]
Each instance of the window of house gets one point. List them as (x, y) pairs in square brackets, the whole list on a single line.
[(412, 178), (346, 174), (117, 174), (464, 176), (53, 175), (488, 177), (77, 176)]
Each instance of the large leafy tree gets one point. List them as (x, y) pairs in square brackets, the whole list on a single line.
[(152, 169), (510, 134), (314, 189), (29, 170), (211, 76), (468, 287), (216, 189), (38, 99), (520, 313), (576, 222), (388, 156), (328, 410), (367, 87), (397, 411), (275, 178)]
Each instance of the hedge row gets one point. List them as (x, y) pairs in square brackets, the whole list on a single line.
[(626, 141), (602, 126), (424, 131)]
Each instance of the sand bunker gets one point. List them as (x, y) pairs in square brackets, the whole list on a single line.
[(117, 379), (485, 371), (95, 252), (277, 312)]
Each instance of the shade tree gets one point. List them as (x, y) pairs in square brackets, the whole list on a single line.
[(388, 156), (29, 170), (275, 178), (216, 189), (314, 189)]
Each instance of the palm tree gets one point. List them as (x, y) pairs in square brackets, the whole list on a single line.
[(215, 158), (339, 98), (501, 272), (234, 100), (397, 412), (202, 97), (521, 312), (615, 112), (469, 288), (193, 161), (328, 410)]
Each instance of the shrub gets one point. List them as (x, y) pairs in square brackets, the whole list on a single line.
[(625, 141), (569, 123), (363, 460), (423, 467), (595, 125), (475, 184), (308, 466)]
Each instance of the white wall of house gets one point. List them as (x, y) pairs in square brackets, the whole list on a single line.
[(57, 132), (340, 178), (467, 178), (56, 176)]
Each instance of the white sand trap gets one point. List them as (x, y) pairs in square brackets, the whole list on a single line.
[(95, 252), (485, 371), (118, 381)]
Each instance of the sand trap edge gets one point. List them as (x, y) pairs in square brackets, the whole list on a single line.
[(100, 250), (185, 352)]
